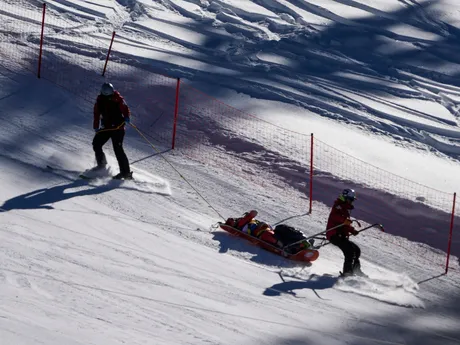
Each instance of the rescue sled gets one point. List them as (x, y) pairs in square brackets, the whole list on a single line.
[(304, 255)]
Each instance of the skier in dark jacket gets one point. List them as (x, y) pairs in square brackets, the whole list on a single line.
[(110, 115), (340, 224)]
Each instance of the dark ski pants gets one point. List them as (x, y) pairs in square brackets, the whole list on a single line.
[(117, 141), (351, 252)]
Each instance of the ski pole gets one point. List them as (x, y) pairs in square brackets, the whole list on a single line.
[(380, 226), (355, 220)]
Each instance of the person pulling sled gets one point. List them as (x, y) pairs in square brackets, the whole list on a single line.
[(339, 223), (111, 113)]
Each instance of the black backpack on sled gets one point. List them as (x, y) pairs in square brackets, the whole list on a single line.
[(287, 234)]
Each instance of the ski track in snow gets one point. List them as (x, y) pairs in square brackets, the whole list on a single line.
[(397, 292), (300, 37), (342, 55)]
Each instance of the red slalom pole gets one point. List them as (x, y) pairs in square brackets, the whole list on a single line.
[(449, 244), (41, 42), (108, 53), (176, 113), (311, 174)]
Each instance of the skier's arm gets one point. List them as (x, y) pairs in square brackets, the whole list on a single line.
[(123, 106), (97, 116), (125, 109)]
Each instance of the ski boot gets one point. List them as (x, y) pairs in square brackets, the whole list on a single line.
[(101, 162), (124, 176), (359, 273), (345, 274)]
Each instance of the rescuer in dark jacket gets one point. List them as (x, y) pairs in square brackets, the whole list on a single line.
[(340, 224), (111, 113)]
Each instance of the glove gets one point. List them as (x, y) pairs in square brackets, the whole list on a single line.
[(96, 130), (354, 232), (127, 120), (347, 222)]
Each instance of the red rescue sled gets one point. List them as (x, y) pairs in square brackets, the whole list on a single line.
[(305, 255)]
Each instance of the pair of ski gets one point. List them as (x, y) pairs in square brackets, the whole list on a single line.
[(350, 278), (85, 176), (346, 275), (91, 174)]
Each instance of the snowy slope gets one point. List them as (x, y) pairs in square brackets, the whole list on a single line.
[(111, 262), (380, 70), (108, 262)]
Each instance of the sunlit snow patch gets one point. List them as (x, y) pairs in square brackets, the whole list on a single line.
[(144, 181), (103, 173), (401, 291)]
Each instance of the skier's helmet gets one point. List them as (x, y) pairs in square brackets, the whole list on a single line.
[(107, 89), (348, 195)]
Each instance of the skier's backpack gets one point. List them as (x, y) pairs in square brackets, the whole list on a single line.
[(287, 234)]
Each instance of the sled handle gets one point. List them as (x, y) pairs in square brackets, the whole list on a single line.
[(378, 225), (324, 231)]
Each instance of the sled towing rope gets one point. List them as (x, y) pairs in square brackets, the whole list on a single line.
[(177, 171)]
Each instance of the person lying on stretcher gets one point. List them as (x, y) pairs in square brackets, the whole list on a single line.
[(282, 236)]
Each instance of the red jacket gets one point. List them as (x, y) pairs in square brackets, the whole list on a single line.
[(111, 111), (339, 213)]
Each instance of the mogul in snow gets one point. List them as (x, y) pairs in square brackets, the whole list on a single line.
[(340, 228), (111, 113)]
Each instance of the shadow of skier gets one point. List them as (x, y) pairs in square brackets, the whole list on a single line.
[(44, 198), (314, 282)]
